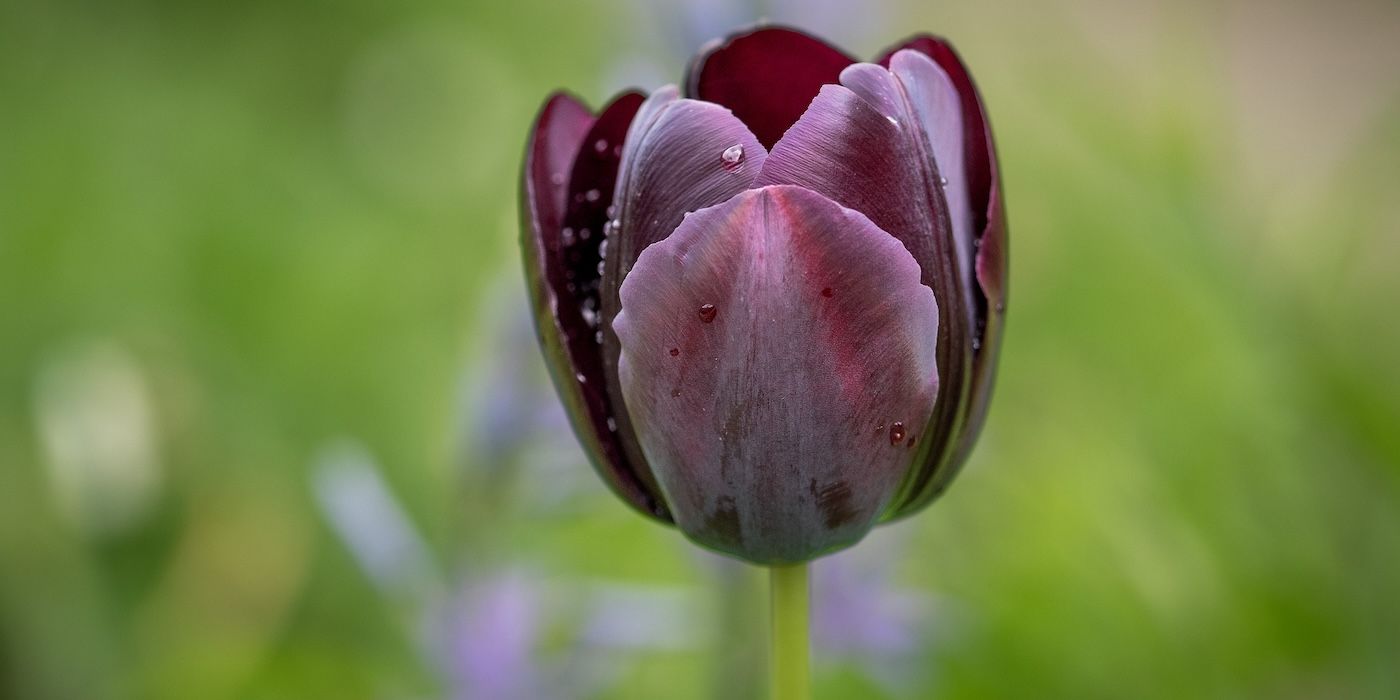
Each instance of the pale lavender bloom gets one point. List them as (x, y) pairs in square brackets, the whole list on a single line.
[(490, 641), (361, 509), (861, 616)]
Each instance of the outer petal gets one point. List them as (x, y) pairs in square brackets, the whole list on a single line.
[(680, 155), (560, 157), (989, 227), (767, 75), (778, 354), (868, 148)]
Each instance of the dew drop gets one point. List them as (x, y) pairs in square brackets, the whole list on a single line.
[(708, 313), (1001, 306), (567, 235), (880, 428), (581, 379), (556, 178), (611, 211), (976, 343), (732, 156), (896, 432), (675, 393), (612, 425), (592, 195), (602, 265), (603, 247), (942, 181), (598, 337), (600, 145), (826, 292), (911, 442), (675, 352), (584, 234)]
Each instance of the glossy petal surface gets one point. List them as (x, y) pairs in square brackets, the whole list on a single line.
[(558, 269), (988, 218), (767, 76), (867, 148), (680, 155), (778, 359)]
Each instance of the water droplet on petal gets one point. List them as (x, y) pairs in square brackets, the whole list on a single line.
[(675, 352), (602, 265), (592, 195), (732, 156), (600, 145), (826, 292), (976, 344), (556, 178), (584, 234), (880, 428), (612, 425), (611, 211), (896, 432), (708, 313), (675, 393), (581, 379), (603, 249), (567, 235), (942, 181), (911, 442)]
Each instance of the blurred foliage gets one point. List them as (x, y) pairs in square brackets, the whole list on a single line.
[(232, 235)]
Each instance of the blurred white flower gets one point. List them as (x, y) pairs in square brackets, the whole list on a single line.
[(94, 420)]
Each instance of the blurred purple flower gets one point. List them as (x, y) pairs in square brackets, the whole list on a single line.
[(861, 616), (490, 641)]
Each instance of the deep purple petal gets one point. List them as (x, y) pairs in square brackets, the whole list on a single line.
[(767, 76), (680, 155), (868, 149), (778, 358), (558, 272), (988, 224)]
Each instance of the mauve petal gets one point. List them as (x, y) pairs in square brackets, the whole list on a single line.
[(935, 104), (870, 152), (767, 76), (673, 163), (557, 273), (781, 424), (988, 223)]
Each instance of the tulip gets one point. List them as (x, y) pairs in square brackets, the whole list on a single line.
[(772, 306)]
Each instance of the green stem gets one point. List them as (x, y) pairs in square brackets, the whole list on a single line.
[(791, 649)]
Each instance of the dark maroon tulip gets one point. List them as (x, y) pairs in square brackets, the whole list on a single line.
[(773, 306)]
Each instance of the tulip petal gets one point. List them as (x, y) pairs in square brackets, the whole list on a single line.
[(767, 76), (562, 273), (680, 155), (989, 229), (778, 358), (867, 149)]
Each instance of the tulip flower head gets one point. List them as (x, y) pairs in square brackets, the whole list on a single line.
[(772, 305)]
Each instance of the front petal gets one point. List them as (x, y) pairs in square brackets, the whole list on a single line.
[(767, 76), (778, 360), (561, 270), (867, 147)]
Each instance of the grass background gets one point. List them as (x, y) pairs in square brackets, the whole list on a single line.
[(241, 241)]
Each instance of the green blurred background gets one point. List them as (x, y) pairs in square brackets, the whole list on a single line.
[(272, 424)]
